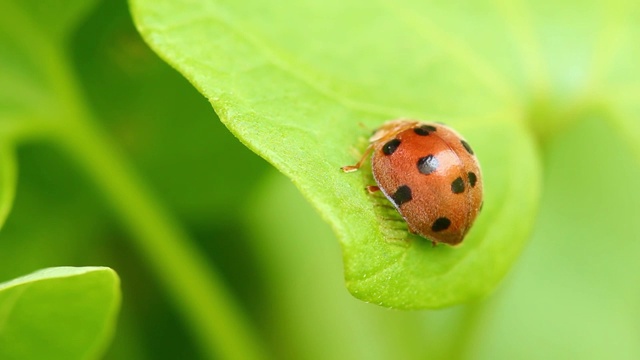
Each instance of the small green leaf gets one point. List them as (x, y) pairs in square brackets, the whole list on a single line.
[(58, 313), (295, 83)]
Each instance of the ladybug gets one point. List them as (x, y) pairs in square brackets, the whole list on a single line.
[(430, 174)]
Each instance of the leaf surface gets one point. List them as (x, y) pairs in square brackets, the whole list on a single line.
[(58, 313), (295, 82)]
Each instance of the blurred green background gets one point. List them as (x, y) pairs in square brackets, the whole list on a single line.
[(575, 292)]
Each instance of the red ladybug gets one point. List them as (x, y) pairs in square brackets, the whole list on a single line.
[(430, 174)]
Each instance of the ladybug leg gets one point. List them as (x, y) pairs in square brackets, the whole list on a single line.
[(372, 189), (433, 243), (352, 168)]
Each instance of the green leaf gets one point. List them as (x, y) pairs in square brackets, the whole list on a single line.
[(295, 82), (58, 313), (309, 314)]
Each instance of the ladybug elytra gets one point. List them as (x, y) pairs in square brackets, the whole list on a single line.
[(430, 174)]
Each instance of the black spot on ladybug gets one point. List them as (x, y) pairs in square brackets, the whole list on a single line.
[(467, 146), (402, 195), (472, 179), (428, 164), (424, 130), (391, 146), (440, 224), (457, 186)]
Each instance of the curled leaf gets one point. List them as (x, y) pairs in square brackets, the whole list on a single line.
[(296, 83)]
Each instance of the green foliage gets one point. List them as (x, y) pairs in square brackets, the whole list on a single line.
[(306, 92), (58, 313), (314, 87), (122, 163), (44, 102)]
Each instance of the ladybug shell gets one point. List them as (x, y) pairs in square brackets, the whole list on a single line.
[(430, 174)]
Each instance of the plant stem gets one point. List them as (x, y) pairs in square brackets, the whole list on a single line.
[(220, 327), (469, 322)]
